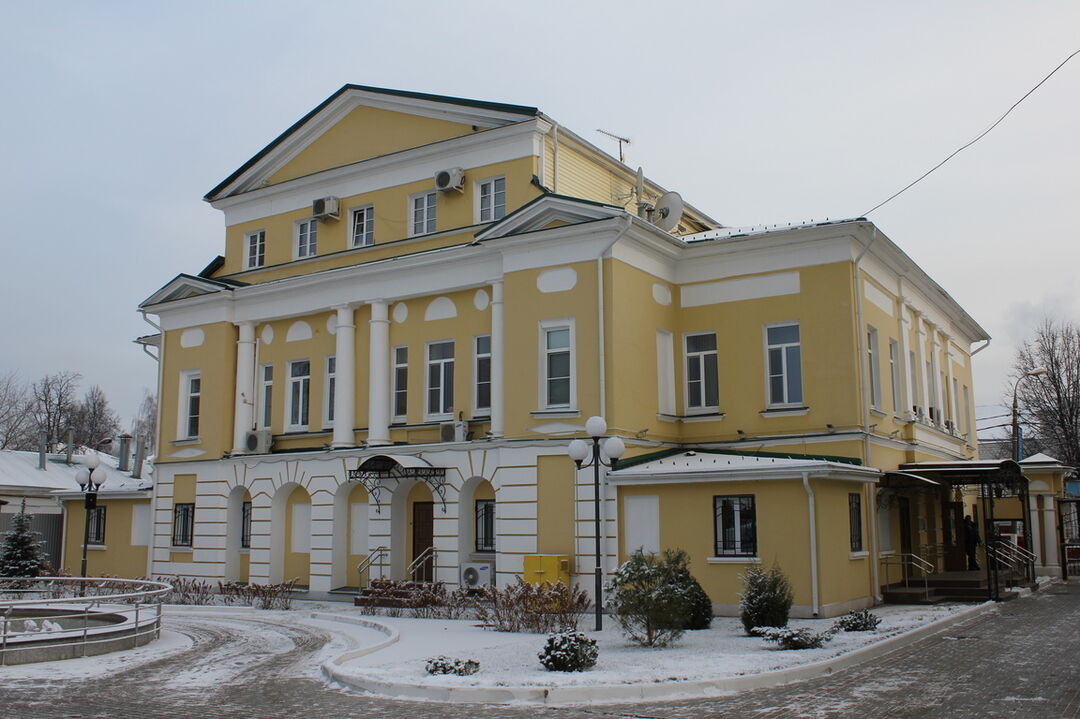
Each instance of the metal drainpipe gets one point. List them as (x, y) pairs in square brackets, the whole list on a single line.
[(600, 316), (811, 508), (156, 441), (555, 158)]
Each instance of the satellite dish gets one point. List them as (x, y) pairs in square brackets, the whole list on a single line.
[(668, 211)]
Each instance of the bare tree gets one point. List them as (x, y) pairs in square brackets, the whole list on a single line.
[(16, 420), (53, 404), (145, 422), (93, 420), (1050, 403)]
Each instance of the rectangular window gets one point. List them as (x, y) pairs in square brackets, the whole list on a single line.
[(97, 526), (735, 525), (557, 343), (485, 525), (299, 391), (702, 391), (968, 429), (401, 383), (482, 398), (894, 374), (492, 199), (855, 521), (328, 392), (873, 358), (191, 397), (440, 387), (183, 527), (266, 395), (363, 226), (245, 526), (307, 232), (784, 361), (423, 213), (256, 249)]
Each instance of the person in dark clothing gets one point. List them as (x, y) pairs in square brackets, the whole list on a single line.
[(971, 542)]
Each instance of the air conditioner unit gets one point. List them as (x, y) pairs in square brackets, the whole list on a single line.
[(325, 208), (258, 441), (453, 431), (950, 426), (452, 179), (477, 575)]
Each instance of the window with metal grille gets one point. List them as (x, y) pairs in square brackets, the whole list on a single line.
[(245, 526), (855, 519), (485, 525), (183, 524), (97, 526), (735, 525)]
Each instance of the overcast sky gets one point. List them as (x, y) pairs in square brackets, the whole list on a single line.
[(119, 116)]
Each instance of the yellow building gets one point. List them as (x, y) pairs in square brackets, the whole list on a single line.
[(422, 299)]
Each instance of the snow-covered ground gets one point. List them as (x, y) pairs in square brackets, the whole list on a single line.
[(508, 660)]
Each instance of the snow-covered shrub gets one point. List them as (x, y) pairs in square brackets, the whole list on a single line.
[(654, 599), (450, 665), (861, 621), (788, 638), (766, 598), (20, 551), (543, 608), (569, 652)]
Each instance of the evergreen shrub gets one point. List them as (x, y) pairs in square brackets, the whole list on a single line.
[(655, 599), (569, 652), (793, 638), (450, 665), (20, 550), (766, 598), (861, 621)]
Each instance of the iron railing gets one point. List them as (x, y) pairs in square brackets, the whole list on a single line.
[(424, 561), (908, 564), (376, 555)]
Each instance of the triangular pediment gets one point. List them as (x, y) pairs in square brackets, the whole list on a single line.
[(548, 211), (357, 123), (183, 287)]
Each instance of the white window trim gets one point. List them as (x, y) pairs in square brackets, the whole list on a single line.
[(541, 394), (704, 409), (765, 355), (476, 197), (477, 410), (370, 209), (328, 405), (439, 416), (248, 236), (394, 367), (296, 238), (894, 375), (185, 395), (262, 409), (409, 215), (289, 426)]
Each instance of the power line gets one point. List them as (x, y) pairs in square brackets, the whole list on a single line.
[(972, 142), (994, 416)]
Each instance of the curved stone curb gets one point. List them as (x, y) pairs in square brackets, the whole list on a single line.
[(392, 635), (617, 693)]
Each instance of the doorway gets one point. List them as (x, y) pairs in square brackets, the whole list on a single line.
[(423, 539)]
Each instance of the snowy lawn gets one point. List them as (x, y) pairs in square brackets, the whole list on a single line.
[(508, 660)]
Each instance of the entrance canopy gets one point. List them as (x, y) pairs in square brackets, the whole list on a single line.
[(1002, 478), (373, 472)]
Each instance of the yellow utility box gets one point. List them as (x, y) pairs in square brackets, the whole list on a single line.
[(547, 568)]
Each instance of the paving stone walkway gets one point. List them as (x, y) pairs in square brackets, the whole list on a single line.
[(1021, 660)]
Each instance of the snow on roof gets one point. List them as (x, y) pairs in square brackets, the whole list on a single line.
[(1040, 458), (19, 474), (731, 466), (725, 233)]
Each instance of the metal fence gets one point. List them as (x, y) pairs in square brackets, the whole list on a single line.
[(50, 529)]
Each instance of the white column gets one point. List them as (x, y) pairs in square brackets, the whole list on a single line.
[(345, 379), (497, 360), (933, 381), (906, 393), (950, 396), (920, 363), (379, 376), (1049, 526), (244, 412), (1034, 541)]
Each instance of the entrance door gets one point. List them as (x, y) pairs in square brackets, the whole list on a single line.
[(423, 539), (955, 536)]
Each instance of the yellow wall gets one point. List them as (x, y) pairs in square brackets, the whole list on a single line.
[(117, 557), (297, 564), (555, 505), (352, 578)]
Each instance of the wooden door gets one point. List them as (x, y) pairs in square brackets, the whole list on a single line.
[(423, 539), (955, 537)]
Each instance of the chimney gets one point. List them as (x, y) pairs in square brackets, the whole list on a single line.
[(43, 447), (70, 444), (140, 457), (124, 453)]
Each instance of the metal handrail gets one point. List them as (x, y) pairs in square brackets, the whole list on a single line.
[(138, 590), (1011, 555), (915, 561), (376, 554), (420, 560)]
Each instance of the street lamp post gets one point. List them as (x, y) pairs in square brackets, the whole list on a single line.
[(90, 477), (579, 450), (1017, 444)]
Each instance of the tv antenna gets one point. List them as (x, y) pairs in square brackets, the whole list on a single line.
[(617, 138)]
